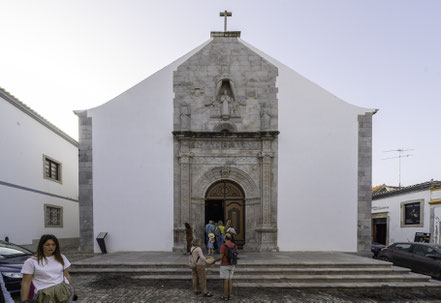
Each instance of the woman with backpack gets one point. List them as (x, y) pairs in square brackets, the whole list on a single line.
[(230, 229), (198, 272), (228, 255)]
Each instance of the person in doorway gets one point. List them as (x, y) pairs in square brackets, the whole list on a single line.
[(47, 271), (230, 229), (220, 234), (209, 228), (188, 236), (226, 269), (198, 274)]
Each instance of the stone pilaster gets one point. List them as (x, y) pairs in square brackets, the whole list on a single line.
[(85, 182), (364, 234), (267, 232), (184, 158)]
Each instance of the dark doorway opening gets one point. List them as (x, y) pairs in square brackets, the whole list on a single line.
[(380, 230), (214, 210), (225, 200)]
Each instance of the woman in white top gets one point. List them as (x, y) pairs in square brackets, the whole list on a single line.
[(46, 269), (198, 273)]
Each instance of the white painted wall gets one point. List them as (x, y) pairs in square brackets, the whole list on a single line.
[(133, 165), (23, 142), (318, 166), (392, 205), (317, 203)]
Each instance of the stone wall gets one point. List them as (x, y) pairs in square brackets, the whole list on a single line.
[(364, 182)]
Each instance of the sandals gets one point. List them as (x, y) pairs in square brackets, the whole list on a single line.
[(208, 294), (196, 292), (224, 298)]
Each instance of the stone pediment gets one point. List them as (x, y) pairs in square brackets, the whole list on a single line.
[(225, 86)]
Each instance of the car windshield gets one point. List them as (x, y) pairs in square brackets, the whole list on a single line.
[(9, 250)]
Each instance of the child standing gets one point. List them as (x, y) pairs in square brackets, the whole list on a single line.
[(210, 246)]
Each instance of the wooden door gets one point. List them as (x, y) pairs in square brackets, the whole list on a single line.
[(234, 212)]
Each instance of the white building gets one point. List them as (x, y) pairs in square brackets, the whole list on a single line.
[(398, 214), (38, 176), (294, 159)]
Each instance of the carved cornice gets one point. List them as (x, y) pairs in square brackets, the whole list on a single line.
[(265, 154), (256, 135)]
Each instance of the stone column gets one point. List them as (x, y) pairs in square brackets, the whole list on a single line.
[(85, 182)]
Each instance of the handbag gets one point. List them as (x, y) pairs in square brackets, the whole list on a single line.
[(191, 262)]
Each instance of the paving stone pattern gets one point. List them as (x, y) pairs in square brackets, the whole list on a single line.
[(125, 289)]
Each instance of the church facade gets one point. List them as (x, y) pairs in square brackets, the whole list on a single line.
[(226, 133)]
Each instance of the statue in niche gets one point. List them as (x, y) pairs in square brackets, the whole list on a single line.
[(185, 117), (265, 118), (225, 105)]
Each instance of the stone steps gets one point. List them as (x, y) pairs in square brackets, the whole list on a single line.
[(339, 285), (258, 279), (241, 265), (278, 275), (249, 270), (273, 270)]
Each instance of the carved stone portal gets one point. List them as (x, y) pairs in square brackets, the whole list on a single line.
[(225, 132)]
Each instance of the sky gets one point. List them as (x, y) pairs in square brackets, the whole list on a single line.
[(59, 56)]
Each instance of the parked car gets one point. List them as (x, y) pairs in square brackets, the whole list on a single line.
[(424, 258), (376, 248), (12, 258)]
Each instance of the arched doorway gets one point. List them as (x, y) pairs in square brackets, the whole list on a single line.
[(224, 201)]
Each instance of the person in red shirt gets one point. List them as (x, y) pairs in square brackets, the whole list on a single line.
[(226, 269)]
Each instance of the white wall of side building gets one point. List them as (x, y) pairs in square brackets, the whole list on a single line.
[(318, 166), (132, 145), (23, 188), (392, 206)]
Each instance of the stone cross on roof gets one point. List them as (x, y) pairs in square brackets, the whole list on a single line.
[(225, 15)]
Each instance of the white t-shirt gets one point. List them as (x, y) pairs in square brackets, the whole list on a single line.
[(47, 273), (231, 230)]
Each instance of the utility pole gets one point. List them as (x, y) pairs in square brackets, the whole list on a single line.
[(400, 152)]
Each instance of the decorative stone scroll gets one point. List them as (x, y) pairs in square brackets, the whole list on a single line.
[(225, 172), (225, 126)]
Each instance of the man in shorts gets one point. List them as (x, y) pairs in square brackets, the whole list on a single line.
[(226, 269)]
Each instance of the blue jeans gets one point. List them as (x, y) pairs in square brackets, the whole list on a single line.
[(220, 242)]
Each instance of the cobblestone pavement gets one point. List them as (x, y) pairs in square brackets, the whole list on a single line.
[(118, 288), (125, 288)]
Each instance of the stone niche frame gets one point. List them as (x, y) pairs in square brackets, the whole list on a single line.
[(193, 179)]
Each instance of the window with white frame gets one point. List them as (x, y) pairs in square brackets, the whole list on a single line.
[(412, 213), (52, 169), (53, 216)]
